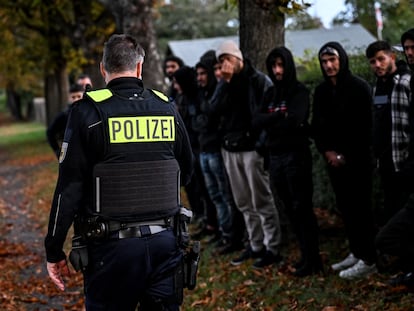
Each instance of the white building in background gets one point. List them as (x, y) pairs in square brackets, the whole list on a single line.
[(303, 43)]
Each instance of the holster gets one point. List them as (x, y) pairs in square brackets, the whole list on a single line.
[(191, 261), (78, 256), (187, 271)]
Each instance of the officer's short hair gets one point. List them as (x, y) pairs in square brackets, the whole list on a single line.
[(121, 53)]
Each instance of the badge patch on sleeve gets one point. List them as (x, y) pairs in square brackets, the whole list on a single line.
[(63, 152)]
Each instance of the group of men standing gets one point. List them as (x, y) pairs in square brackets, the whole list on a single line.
[(265, 136), (250, 134)]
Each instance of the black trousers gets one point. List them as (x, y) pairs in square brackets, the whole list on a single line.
[(291, 175), (352, 184), (131, 271), (396, 238)]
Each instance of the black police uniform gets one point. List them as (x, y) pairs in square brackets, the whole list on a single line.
[(115, 135)]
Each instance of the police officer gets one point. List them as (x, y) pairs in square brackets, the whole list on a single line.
[(124, 155)]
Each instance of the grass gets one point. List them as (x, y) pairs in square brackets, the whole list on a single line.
[(221, 286)]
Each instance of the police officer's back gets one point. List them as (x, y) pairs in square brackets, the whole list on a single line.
[(124, 156)]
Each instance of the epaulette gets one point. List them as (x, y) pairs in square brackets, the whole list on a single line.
[(99, 95), (161, 95)]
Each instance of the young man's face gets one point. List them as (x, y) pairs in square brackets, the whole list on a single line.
[(278, 69), (230, 62), (217, 71), (171, 67), (382, 63), (330, 64), (202, 76), (74, 96), (177, 86), (409, 51), (84, 81)]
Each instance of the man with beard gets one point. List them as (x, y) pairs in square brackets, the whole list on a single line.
[(342, 132), (396, 237), (237, 97), (392, 98), (284, 117)]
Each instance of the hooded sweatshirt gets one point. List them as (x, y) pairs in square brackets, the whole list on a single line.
[(342, 117), (187, 101), (409, 34), (284, 112), (205, 123)]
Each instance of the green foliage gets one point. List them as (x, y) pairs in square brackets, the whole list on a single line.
[(2, 101), (21, 133), (190, 19), (398, 17), (303, 20)]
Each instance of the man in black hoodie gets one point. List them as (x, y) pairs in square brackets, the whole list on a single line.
[(187, 103), (284, 116), (342, 132)]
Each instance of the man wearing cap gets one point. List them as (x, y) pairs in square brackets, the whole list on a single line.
[(341, 126), (238, 96)]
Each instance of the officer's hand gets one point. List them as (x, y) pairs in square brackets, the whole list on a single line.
[(56, 271)]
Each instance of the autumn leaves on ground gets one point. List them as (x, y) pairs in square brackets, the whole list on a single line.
[(28, 171)]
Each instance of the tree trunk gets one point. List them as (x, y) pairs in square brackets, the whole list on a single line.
[(261, 30), (135, 17), (13, 102), (56, 92)]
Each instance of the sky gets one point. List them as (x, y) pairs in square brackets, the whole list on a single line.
[(326, 10)]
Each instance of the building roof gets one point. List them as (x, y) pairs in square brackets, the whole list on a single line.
[(303, 43)]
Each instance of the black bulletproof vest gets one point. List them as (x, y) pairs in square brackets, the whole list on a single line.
[(138, 178)]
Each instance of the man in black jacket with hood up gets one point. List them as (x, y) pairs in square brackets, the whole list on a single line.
[(284, 117), (342, 132)]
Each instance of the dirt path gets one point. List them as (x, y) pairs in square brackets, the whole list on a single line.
[(24, 284)]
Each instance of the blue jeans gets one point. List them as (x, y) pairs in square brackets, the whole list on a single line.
[(218, 188)]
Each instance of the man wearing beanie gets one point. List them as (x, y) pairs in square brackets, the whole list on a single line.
[(238, 96)]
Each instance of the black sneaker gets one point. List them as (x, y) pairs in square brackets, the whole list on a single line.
[(203, 232), (247, 254), (266, 260), (403, 280), (215, 238), (230, 248), (309, 269)]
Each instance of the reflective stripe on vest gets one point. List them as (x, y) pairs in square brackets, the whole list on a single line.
[(100, 95), (161, 95)]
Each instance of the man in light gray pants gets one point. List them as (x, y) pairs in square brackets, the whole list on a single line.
[(237, 97)]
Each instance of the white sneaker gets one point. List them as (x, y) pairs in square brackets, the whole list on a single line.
[(346, 263), (360, 269)]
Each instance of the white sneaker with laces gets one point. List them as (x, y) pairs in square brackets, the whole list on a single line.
[(360, 269), (346, 263)]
